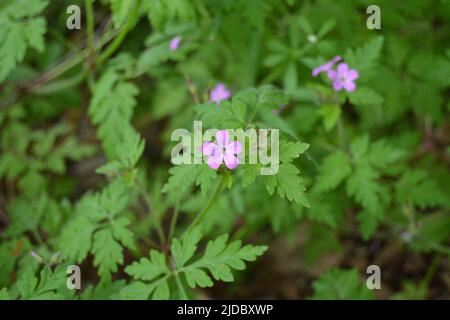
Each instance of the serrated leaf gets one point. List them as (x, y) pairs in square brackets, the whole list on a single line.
[(75, 241), (334, 169), (365, 96), (219, 259), (287, 183), (4, 294), (20, 28), (111, 108), (364, 58), (364, 187), (339, 284), (184, 249), (108, 254), (148, 269), (330, 114), (291, 150), (122, 233)]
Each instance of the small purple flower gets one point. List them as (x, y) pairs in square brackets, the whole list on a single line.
[(222, 151), (175, 43), (36, 256), (326, 67), (280, 108), (219, 93), (343, 78)]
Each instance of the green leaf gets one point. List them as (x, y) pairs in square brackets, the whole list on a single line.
[(334, 169), (381, 154), (251, 172), (359, 147), (136, 291), (364, 187), (120, 10), (108, 253), (330, 114), (339, 284), (433, 231), (128, 151), (49, 285), (162, 12), (27, 284), (205, 178), (219, 259), (148, 269), (184, 249), (75, 241), (4, 294), (227, 115), (416, 187), (122, 233), (364, 59), (111, 108), (181, 178), (288, 184), (365, 96), (291, 150), (290, 78), (20, 28)]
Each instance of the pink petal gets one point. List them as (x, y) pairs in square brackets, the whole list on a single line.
[(222, 138), (219, 93), (318, 70), (174, 43), (326, 66), (234, 147), (352, 75), (342, 69), (231, 161), (337, 85), (215, 162), (210, 149), (349, 86), (332, 75), (335, 59)]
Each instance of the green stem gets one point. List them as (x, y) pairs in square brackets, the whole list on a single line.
[(340, 124), (208, 205), (174, 220), (158, 225), (90, 25), (121, 37), (341, 134), (60, 85), (180, 286)]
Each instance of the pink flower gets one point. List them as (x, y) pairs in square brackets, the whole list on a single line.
[(326, 67), (222, 151), (219, 93), (343, 78), (175, 43)]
